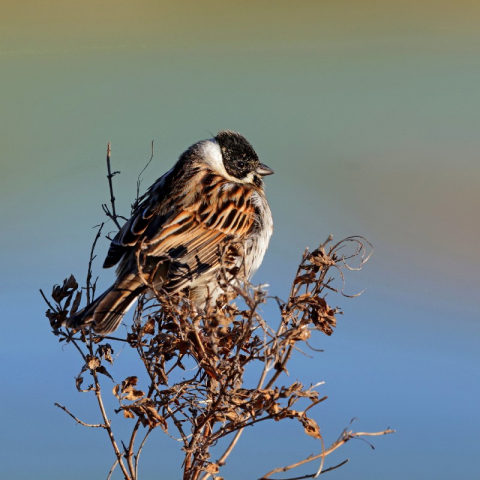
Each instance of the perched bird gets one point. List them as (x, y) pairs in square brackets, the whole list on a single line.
[(207, 216)]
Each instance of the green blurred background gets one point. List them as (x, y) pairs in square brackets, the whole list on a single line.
[(369, 113)]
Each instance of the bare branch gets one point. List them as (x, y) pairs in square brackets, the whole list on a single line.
[(344, 438), (92, 425), (46, 300), (139, 182), (113, 214), (314, 475), (91, 288)]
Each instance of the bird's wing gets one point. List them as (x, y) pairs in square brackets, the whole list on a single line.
[(193, 238), (151, 207)]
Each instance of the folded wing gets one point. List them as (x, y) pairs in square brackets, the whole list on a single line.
[(188, 232)]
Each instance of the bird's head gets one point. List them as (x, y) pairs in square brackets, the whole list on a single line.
[(239, 158), (232, 156)]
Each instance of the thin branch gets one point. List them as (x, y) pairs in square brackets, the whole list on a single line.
[(46, 300), (137, 457), (113, 214), (117, 339), (139, 181), (313, 475), (345, 437), (112, 469), (91, 287), (129, 451), (322, 461), (315, 402), (177, 424), (91, 425), (70, 338), (106, 421), (228, 451)]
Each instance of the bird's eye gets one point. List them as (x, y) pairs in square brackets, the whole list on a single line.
[(241, 164)]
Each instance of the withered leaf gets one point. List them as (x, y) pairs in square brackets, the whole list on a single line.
[(128, 414), (182, 346), (211, 468), (132, 339), (299, 334), (221, 320), (312, 394), (105, 351), (311, 427), (286, 413), (115, 390), (229, 415), (294, 387), (132, 394), (320, 258), (149, 327), (92, 362), (170, 326), (274, 409), (147, 413), (129, 381), (303, 297), (101, 369), (70, 284), (78, 383), (66, 290), (306, 278), (322, 316), (210, 371)]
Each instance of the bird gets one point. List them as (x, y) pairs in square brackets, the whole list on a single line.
[(206, 216)]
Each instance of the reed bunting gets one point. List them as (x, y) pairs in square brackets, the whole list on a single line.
[(206, 218)]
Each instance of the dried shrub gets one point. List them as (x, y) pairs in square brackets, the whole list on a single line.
[(211, 403)]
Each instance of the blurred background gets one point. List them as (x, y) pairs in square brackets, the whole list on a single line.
[(369, 113)]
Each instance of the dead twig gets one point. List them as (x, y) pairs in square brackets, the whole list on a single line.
[(314, 475), (112, 215), (344, 438), (91, 425), (89, 286)]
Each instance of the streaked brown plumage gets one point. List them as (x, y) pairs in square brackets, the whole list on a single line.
[(208, 211)]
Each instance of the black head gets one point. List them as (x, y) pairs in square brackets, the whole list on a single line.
[(239, 157)]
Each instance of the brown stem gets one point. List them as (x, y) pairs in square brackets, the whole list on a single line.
[(346, 436), (150, 430), (113, 214), (106, 421), (89, 286), (129, 452), (108, 427), (92, 425), (112, 469), (314, 475)]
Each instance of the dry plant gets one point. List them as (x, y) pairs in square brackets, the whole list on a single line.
[(210, 405)]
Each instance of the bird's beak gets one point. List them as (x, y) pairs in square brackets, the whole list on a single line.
[(263, 170)]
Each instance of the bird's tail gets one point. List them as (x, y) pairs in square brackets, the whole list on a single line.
[(106, 312)]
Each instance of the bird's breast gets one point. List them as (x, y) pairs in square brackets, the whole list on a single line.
[(257, 243)]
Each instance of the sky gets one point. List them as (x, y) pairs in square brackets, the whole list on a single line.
[(368, 112)]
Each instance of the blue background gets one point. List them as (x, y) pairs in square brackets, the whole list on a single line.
[(368, 112)]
